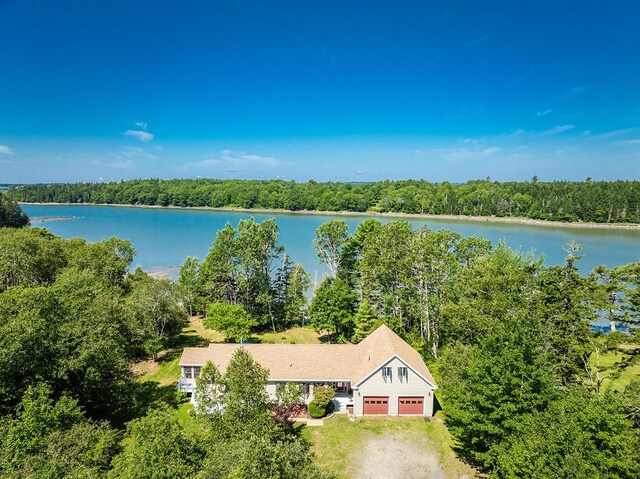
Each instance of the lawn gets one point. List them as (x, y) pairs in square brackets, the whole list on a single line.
[(618, 366), (340, 443), (290, 336)]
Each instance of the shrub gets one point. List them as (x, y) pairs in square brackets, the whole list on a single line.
[(315, 410), (323, 395)]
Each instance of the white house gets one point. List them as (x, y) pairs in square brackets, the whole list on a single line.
[(381, 375)]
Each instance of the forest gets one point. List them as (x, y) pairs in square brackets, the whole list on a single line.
[(587, 201), (507, 338)]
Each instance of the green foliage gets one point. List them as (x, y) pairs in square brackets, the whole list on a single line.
[(322, 403), (631, 399), (209, 391), (333, 307), (53, 439), (156, 310), (316, 410), (245, 402), (289, 394), (230, 319), (239, 270), (596, 201), (29, 256), (489, 386), (11, 215), (577, 436), (109, 259), (329, 242), (366, 321), (159, 448), (188, 279)]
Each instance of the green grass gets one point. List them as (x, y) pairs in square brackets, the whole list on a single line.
[(334, 443), (618, 367), (290, 336)]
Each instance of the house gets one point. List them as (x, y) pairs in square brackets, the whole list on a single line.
[(382, 375)]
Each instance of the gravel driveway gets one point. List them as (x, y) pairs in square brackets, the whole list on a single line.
[(397, 456)]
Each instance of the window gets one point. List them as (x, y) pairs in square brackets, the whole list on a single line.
[(386, 373), (402, 373), (196, 371), (187, 372)]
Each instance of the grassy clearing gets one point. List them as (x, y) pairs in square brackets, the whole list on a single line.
[(618, 367), (337, 442), (290, 336)]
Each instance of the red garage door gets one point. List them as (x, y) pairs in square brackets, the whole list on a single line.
[(411, 405), (376, 405)]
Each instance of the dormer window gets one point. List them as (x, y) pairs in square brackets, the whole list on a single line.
[(402, 373), (386, 373)]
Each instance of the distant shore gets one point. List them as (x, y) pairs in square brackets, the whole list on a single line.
[(478, 219)]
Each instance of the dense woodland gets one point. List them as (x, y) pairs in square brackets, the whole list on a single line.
[(588, 201), (507, 338), (11, 214)]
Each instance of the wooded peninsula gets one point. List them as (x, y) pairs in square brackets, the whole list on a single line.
[(588, 201)]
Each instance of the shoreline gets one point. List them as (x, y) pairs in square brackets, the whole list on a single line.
[(476, 219)]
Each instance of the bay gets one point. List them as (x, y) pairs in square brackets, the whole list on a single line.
[(164, 237)]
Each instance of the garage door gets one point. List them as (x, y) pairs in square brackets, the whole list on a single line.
[(376, 405), (411, 405)]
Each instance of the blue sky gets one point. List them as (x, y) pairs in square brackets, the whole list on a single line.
[(357, 91)]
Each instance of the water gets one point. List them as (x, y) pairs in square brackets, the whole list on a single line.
[(163, 238)]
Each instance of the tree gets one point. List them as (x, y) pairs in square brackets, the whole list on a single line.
[(577, 436), (489, 386), (109, 259), (245, 402), (209, 390), (158, 313), (365, 321), (159, 448), (333, 307), (329, 242), (188, 279), (231, 319), (29, 256), (54, 439), (568, 303), (11, 215)]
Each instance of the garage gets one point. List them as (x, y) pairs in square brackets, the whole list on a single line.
[(411, 405), (376, 405)]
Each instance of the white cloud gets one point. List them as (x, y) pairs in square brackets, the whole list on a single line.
[(135, 153), (629, 142), (233, 161), (543, 113), (5, 150), (557, 129), (466, 154), (142, 124), (122, 165), (143, 136)]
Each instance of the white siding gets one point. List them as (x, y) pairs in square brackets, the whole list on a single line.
[(412, 385)]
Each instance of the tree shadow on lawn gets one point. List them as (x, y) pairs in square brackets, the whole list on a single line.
[(146, 395)]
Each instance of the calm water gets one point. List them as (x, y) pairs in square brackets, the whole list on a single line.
[(163, 238)]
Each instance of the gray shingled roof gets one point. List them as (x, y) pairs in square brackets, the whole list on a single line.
[(317, 362)]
